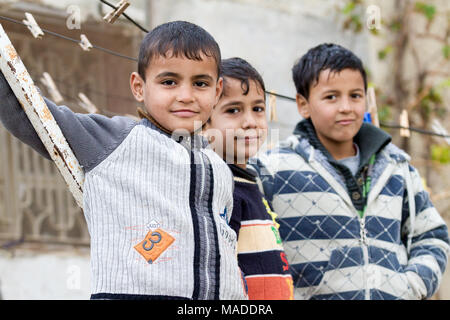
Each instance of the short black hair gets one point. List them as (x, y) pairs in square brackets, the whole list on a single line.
[(240, 69), (306, 70), (180, 38)]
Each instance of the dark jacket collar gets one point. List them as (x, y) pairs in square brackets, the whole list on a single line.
[(242, 173), (369, 139)]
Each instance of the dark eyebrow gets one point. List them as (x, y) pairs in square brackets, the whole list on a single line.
[(168, 74), (232, 103), (259, 101), (203, 76), (330, 91)]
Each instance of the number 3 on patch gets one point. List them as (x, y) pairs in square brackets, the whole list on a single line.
[(154, 244)]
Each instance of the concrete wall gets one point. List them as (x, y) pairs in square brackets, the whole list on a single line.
[(45, 273)]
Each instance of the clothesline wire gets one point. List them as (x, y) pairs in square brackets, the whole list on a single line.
[(71, 39), (382, 124)]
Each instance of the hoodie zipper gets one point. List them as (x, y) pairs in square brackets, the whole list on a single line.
[(365, 250)]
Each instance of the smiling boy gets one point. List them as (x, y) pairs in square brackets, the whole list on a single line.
[(153, 194), (238, 126), (355, 220)]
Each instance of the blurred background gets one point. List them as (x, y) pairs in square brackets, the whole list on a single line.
[(404, 44)]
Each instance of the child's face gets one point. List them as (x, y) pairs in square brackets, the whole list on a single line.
[(238, 122), (179, 91), (336, 107)]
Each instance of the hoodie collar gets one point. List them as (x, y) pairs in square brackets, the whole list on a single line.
[(369, 139)]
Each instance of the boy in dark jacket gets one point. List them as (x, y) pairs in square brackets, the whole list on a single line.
[(238, 126)]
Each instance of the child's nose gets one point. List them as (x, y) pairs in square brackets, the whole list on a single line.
[(345, 106), (185, 94), (249, 121)]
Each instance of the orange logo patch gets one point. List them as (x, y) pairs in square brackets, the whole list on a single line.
[(154, 244)]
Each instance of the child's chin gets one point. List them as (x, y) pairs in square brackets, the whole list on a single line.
[(184, 128)]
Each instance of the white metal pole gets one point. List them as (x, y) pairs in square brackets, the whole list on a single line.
[(40, 116)]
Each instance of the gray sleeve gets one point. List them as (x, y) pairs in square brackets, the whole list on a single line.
[(92, 137)]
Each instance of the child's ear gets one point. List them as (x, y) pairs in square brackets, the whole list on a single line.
[(302, 105), (137, 86), (219, 89)]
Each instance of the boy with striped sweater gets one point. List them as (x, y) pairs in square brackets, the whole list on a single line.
[(356, 222), (153, 193), (238, 126)]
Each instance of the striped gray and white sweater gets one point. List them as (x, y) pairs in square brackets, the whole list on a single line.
[(152, 203), (389, 253)]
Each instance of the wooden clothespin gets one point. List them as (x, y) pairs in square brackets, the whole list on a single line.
[(272, 106), (113, 15), (86, 104), (32, 25), (47, 80), (84, 43), (404, 123), (372, 106)]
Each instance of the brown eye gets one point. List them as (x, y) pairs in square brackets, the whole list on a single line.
[(232, 110), (201, 84), (168, 82)]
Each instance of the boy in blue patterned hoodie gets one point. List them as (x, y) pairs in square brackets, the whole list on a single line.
[(355, 220)]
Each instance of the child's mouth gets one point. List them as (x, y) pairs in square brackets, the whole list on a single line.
[(248, 139), (184, 113), (345, 122)]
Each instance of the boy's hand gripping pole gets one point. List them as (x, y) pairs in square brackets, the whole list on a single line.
[(41, 118)]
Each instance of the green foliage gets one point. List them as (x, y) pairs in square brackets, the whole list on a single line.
[(428, 10), (440, 153), (432, 103), (383, 53), (395, 25), (444, 84), (352, 10), (384, 113), (446, 51), (348, 8)]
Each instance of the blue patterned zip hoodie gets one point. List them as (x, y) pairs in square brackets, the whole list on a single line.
[(397, 250)]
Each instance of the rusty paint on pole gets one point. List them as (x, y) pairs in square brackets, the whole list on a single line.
[(40, 117)]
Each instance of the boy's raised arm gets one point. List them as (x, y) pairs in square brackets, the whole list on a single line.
[(14, 119), (92, 137)]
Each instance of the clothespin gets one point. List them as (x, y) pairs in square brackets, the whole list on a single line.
[(404, 122), (372, 106), (47, 80), (439, 129), (85, 44), (86, 104), (32, 25), (113, 15), (272, 106)]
